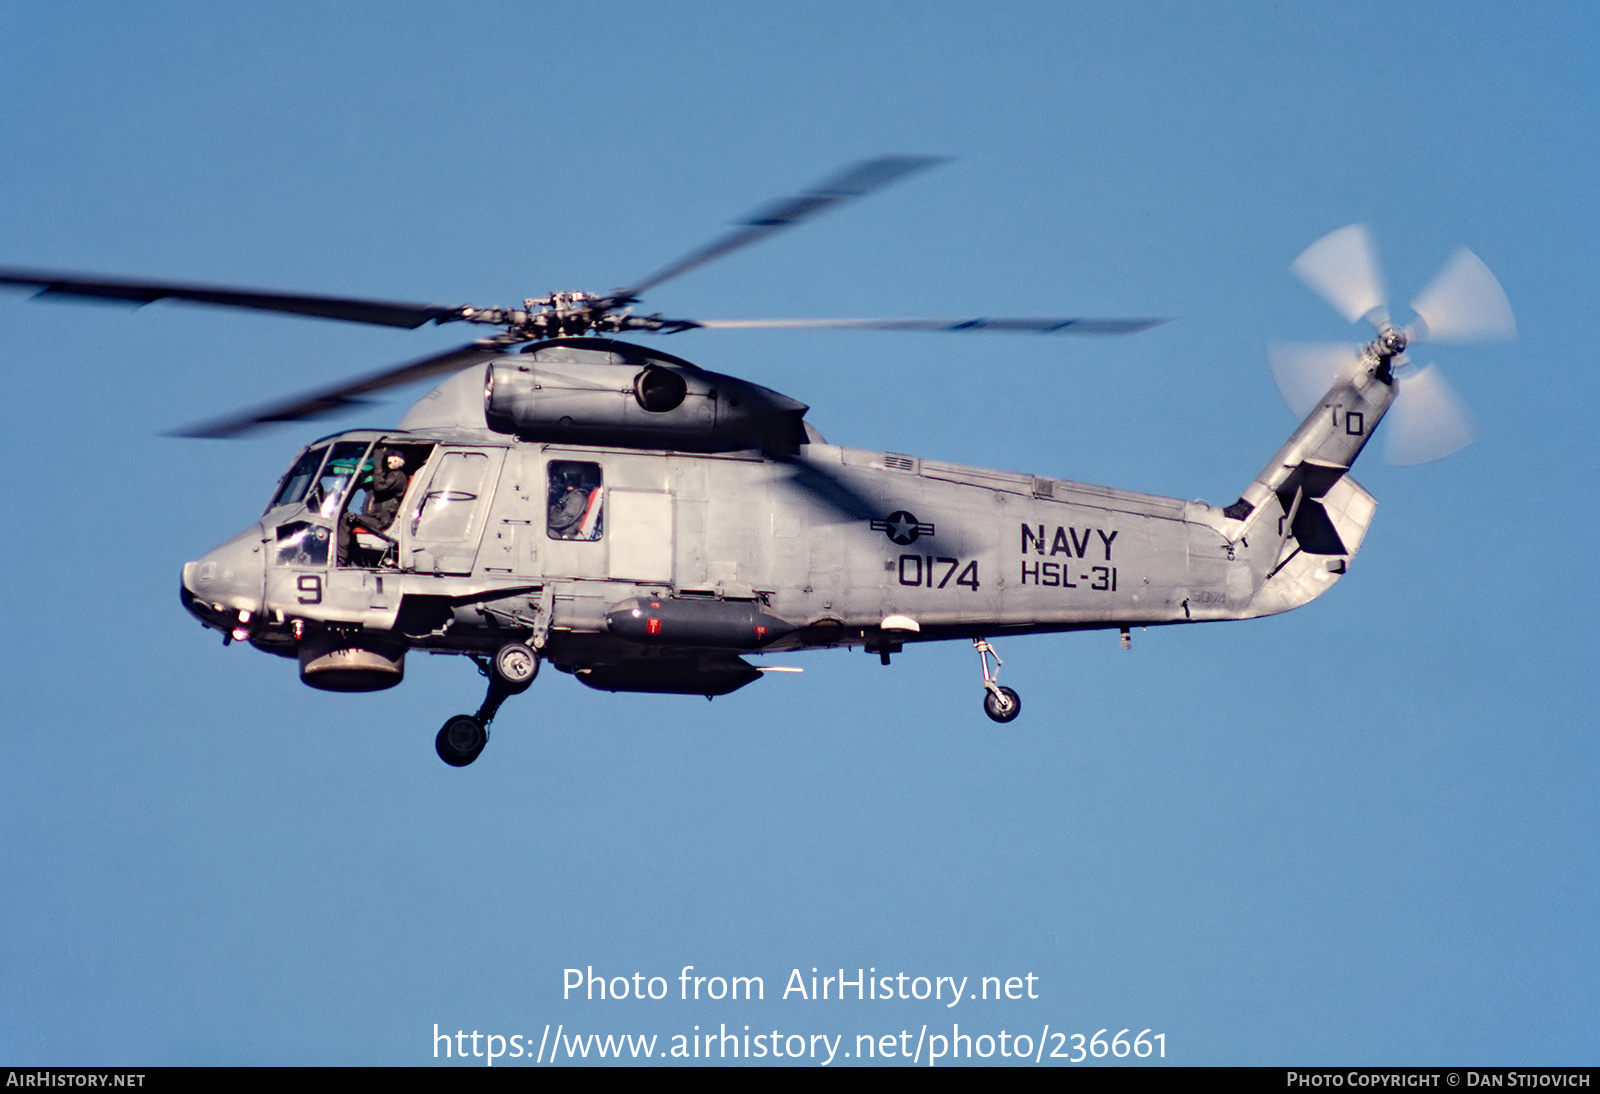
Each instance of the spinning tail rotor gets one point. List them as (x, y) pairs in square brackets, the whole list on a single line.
[(1463, 303)]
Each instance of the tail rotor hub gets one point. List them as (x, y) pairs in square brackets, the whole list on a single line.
[(1391, 342), (1463, 303)]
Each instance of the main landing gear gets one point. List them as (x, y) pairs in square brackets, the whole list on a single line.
[(999, 703), (510, 672)]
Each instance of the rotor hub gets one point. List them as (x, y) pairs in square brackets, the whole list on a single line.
[(568, 315)]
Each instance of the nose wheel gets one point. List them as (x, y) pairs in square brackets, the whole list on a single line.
[(511, 671), (1001, 704)]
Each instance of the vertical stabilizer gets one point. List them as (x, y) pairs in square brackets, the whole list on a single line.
[(1296, 527)]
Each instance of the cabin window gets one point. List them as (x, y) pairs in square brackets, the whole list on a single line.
[(575, 501)]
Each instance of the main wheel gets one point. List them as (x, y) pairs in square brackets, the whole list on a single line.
[(1002, 704), (516, 665), (460, 741)]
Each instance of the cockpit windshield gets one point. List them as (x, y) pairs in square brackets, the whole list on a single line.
[(342, 462), (298, 478)]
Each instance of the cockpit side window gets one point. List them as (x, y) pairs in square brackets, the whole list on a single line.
[(299, 478), (575, 507)]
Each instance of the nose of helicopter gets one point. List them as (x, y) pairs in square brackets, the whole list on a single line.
[(226, 581)]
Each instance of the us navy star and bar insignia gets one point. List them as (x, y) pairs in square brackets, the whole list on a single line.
[(902, 527)]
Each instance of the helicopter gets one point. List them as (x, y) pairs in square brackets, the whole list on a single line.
[(646, 524)]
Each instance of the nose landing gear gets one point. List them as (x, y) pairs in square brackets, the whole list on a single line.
[(510, 673), (1001, 704)]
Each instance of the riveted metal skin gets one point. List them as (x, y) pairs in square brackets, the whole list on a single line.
[(676, 558)]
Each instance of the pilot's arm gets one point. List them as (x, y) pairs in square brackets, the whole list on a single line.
[(389, 481)]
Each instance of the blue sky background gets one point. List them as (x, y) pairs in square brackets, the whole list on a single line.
[(1363, 832)]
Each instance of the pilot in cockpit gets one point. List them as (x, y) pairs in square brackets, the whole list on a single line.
[(386, 489), (389, 481)]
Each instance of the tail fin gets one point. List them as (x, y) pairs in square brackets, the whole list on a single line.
[(1303, 518)]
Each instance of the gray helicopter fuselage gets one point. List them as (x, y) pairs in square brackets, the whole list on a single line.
[(655, 569), (644, 523)]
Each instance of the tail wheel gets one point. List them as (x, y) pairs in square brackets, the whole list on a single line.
[(1002, 704), (460, 740)]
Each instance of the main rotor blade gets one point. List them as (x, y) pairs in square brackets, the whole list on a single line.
[(1304, 371), (331, 400), (1342, 268), (1016, 326), (855, 181), (1427, 421), (116, 290), (1464, 303)]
